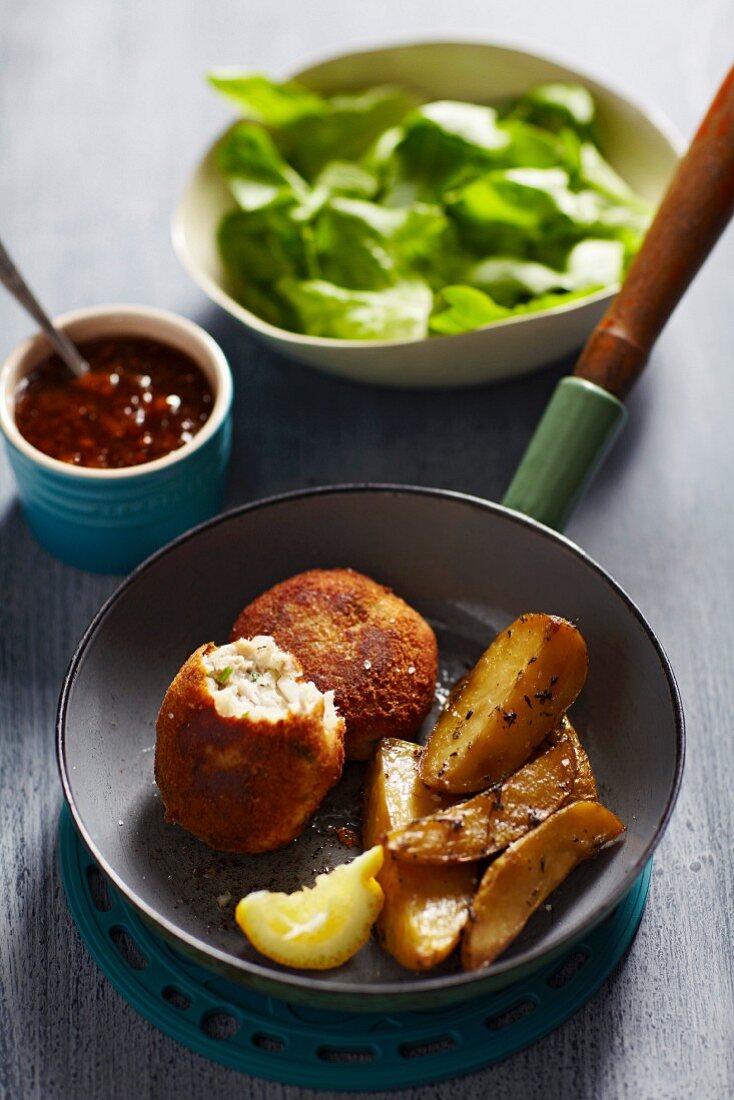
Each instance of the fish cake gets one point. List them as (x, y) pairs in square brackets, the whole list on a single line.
[(357, 638), (246, 747)]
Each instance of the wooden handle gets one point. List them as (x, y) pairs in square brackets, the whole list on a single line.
[(694, 212)]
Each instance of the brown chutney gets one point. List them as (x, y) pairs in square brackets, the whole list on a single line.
[(140, 400)]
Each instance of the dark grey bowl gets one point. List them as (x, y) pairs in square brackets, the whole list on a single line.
[(470, 567)]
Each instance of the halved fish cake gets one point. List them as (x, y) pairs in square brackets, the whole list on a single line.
[(246, 746)]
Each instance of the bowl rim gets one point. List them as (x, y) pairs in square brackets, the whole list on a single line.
[(304, 981), (217, 371), (214, 290)]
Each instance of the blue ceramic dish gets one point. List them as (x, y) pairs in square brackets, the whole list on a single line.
[(108, 521)]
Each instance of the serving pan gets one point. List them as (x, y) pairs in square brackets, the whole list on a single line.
[(470, 566)]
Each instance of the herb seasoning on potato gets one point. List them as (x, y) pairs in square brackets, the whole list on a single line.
[(520, 880), (491, 820), (516, 694)]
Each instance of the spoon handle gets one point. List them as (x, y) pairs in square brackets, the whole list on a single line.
[(12, 279)]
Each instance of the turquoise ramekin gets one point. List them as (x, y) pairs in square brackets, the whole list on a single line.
[(108, 521)]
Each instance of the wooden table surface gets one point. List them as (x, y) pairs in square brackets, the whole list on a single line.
[(102, 113)]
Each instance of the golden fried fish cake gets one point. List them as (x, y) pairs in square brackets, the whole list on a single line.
[(357, 637), (246, 746)]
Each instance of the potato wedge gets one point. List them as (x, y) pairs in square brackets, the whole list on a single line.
[(525, 874), (425, 908), (490, 821), (516, 694), (584, 787)]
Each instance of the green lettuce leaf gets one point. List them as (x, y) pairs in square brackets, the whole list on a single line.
[(553, 106), (366, 246), (508, 280), (595, 263), (344, 130), (548, 192), (529, 146), (351, 244), (425, 241), (264, 301), (466, 309), (497, 213), (461, 126), (399, 312), (311, 129), (343, 177), (595, 172), (526, 211), (263, 100), (443, 143), (337, 179), (262, 245), (589, 265), (255, 172), (552, 300)]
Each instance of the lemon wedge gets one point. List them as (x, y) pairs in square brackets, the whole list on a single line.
[(320, 926)]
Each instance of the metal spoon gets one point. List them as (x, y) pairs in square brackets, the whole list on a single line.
[(12, 279)]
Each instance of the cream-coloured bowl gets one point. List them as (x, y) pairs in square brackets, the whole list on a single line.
[(640, 143)]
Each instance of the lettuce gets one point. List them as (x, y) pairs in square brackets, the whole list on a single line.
[(595, 172), (531, 147), (323, 309), (468, 308), (594, 263), (263, 245), (442, 143), (524, 210), (344, 130), (313, 129), (256, 173), (508, 210), (555, 106), (509, 281), (343, 177), (589, 265), (351, 247), (367, 216), (260, 99)]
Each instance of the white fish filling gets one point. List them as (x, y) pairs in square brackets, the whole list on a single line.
[(253, 678)]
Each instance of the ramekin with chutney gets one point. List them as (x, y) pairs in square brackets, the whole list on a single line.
[(112, 465)]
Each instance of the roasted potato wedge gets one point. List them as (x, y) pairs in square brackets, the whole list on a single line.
[(584, 786), (490, 821), (425, 907), (516, 694), (525, 874)]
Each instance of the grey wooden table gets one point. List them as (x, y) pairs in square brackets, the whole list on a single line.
[(102, 113)]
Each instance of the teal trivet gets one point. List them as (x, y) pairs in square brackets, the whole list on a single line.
[(312, 1047)]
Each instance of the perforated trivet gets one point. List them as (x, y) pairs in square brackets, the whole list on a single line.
[(323, 1049)]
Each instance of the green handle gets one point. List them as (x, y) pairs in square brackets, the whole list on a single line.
[(577, 430), (582, 420)]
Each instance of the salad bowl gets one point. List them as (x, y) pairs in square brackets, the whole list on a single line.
[(639, 144)]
